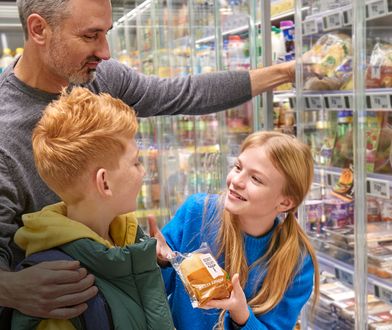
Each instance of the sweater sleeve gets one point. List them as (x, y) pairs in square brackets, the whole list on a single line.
[(10, 203), (194, 95), (284, 316), (181, 233)]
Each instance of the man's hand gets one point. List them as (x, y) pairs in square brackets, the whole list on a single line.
[(236, 304), (163, 250), (267, 78), (50, 290)]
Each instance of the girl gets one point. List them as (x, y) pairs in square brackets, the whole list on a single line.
[(253, 232)]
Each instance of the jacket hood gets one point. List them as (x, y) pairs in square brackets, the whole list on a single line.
[(50, 227)]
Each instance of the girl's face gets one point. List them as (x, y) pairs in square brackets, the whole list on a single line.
[(255, 189)]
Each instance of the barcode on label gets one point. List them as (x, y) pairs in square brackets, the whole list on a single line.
[(380, 102), (378, 188), (332, 179), (348, 17), (336, 102), (376, 72), (331, 22), (212, 266), (313, 102), (344, 276), (384, 294), (310, 27), (376, 9)]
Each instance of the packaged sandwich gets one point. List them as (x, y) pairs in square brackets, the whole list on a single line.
[(330, 62), (379, 71), (201, 275)]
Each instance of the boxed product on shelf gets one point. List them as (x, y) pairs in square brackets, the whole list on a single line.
[(336, 291), (281, 6), (373, 209), (373, 128), (383, 155), (379, 71), (343, 189), (386, 209), (341, 237), (314, 215), (380, 256), (343, 151)]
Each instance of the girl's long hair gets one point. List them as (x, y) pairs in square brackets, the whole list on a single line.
[(289, 244)]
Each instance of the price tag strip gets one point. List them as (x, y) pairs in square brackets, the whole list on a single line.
[(378, 188), (344, 276), (310, 27), (383, 293), (348, 17), (335, 102), (332, 179), (332, 21), (380, 101), (376, 9), (314, 103)]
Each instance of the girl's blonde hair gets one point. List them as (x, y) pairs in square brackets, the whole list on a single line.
[(289, 244)]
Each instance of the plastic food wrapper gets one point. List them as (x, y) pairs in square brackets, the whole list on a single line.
[(330, 62), (379, 71), (201, 275)]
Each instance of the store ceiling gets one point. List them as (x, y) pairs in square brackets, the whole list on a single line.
[(9, 14)]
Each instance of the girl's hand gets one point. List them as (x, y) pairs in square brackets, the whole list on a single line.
[(236, 304), (163, 250)]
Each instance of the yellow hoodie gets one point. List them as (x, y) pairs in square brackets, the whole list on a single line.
[(50, 227)]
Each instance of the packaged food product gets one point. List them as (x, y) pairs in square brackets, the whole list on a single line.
[(314, 214), (379, 71), (386, 210), (330, 61), (344, 187), (201, 275), (373, 210), (338, 213)]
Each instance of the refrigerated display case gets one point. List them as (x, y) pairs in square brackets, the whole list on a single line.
[(177, 38), (343, 112)]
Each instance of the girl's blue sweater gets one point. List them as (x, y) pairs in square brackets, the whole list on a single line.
[(186, 231)]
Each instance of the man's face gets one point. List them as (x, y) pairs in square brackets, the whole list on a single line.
[(78, 44)]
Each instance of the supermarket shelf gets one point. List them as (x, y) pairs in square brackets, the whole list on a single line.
[(345, 273), (376, 100), (339, 18), (244, 29), (378, 185)]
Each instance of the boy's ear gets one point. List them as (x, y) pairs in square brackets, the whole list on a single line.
[(102, 183), (285, 204), (38, 28)]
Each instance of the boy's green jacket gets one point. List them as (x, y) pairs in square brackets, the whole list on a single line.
[(128, 276)]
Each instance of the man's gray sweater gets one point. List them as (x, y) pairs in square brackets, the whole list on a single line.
[(21, 188)]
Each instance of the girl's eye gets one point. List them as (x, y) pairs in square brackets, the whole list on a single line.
[(257, 180), (237, 167)]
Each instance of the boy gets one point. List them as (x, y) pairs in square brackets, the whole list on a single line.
[(85, 151)]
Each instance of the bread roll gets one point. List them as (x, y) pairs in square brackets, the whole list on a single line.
[(204, 279)]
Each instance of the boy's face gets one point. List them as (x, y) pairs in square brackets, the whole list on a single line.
[(126, 180)]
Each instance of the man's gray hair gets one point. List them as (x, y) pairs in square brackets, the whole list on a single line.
[(53, 11)]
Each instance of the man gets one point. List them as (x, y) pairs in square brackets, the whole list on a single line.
[(65, 45)]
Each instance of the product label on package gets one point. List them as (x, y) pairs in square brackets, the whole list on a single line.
[(211, 265)]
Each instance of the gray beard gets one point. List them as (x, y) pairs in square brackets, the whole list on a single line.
[(77, 81)]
